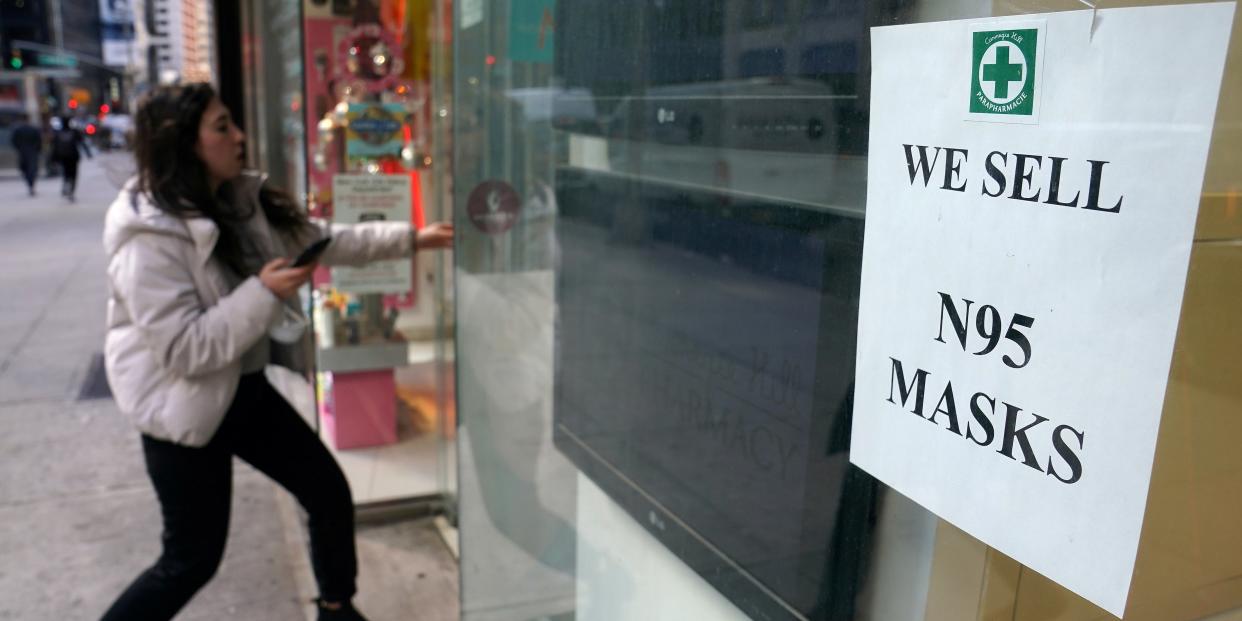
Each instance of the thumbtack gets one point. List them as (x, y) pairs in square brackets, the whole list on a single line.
[(1091, 32)]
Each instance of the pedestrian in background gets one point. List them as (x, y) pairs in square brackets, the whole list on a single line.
[(200, 289), (68, 145), (28, 141)]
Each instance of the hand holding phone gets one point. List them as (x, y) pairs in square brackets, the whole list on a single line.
[(282, 279), (312, 252)]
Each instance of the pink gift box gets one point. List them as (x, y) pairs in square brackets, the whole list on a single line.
[(363, 409)]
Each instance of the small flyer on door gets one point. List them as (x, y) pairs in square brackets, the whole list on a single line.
[(372, 198)]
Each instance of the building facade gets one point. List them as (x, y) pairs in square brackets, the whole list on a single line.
[(181, 35), (632, 388)]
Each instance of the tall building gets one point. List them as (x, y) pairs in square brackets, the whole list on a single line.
[(196, 41), (137, 64), (181, 35), (81, 38)]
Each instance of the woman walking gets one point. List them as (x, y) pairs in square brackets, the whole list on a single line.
[(201, 301)]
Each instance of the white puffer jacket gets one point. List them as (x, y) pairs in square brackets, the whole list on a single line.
[(176, 333)]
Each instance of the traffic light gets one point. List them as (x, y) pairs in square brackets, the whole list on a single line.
[(15, 60)]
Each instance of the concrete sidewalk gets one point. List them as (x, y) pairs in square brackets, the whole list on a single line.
[(80, 519)]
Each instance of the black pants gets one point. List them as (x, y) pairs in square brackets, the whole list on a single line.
[(69, 169), (194, 486), (30, 168)]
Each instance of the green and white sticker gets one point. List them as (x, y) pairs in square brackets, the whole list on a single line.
[(1005, 71)]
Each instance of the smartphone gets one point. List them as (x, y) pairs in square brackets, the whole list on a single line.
[(312, 252)]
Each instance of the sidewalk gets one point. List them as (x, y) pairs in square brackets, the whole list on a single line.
[(80, 517)]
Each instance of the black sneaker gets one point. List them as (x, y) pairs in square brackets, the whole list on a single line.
[(346, 612)]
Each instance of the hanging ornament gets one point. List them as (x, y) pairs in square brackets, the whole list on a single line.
[(372, 56)]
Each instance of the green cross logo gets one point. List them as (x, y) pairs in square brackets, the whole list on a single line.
[(1003, 72)]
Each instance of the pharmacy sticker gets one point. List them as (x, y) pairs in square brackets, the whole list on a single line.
[(1005, 72)]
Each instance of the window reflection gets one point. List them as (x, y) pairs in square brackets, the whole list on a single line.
[(710, 223)]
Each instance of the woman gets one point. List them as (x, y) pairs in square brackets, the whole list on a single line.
[(201, 301)]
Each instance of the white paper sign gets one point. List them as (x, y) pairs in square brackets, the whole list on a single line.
[(1023, 271), (372, 198)]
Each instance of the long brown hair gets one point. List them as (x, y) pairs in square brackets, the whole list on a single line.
[(166, 129)]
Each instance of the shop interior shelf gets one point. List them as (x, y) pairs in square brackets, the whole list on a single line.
[(375, 356)]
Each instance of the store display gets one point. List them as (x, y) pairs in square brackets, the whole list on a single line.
[(375, 131), (369, 54), (366, 89), (361, 198)]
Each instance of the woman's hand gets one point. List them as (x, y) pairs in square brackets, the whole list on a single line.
[(283, 281), (434, 235)]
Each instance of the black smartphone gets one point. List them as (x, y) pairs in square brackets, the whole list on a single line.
[(312, 252)]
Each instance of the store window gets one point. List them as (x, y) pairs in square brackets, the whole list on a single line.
[(339, 113), (661, 209), (381, 358)]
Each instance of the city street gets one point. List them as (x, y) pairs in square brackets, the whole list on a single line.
[(80, 517)]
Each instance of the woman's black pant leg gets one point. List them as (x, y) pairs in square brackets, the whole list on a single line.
[(194, 486), (273, 438)]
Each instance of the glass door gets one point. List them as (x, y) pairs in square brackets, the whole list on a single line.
[(367, 108)]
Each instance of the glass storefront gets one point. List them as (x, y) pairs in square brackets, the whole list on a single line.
[(341, 109), (660, 208), (368, 110), (631, 385)]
